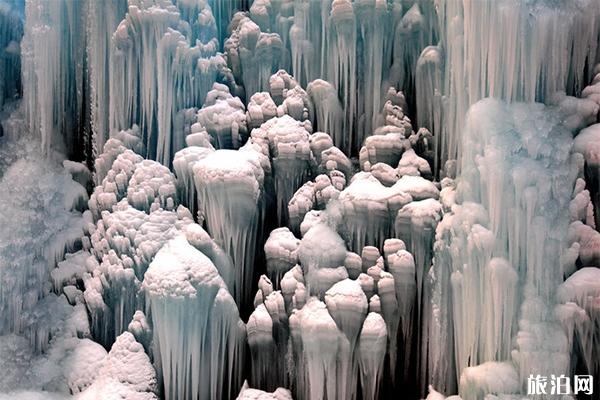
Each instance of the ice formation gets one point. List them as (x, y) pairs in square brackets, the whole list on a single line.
[(277, 199)]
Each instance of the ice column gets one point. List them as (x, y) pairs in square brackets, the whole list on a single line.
[(11, 32), (196, 325), (53, 50), (230, 187), (286, 141)]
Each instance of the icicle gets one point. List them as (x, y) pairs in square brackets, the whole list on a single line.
[(578, 297), (342, 74), (103, 17), (329, 114)]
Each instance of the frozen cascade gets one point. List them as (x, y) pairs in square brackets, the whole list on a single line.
[(520, 214), (568, 32), (577, 312), (405, 243), (195, 323)]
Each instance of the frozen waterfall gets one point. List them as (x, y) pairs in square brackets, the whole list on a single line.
[(299, 199)]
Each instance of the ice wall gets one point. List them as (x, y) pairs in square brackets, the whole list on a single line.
[(504, 244)]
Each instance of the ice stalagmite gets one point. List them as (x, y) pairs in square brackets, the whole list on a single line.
[(368, 210), (322, 253), (253, 56), (254, 394), (281, 251), (230, 187), (577, 310), (286, 141), (124, 243), (372, 347), (261, 108), (416, 224), (126, 373), (224, 118), (152, 187), (347, 304), (195, 324), (322, 351), (401, 265)]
